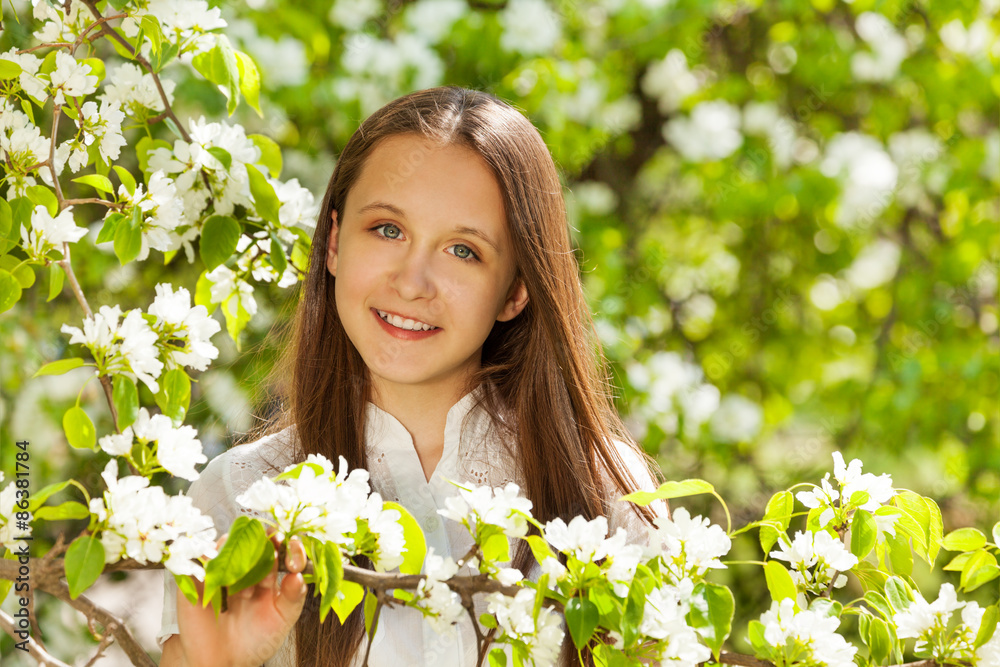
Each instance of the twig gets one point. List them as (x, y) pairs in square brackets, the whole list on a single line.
[(34, 650), (49, 579), (93, 200), (105, 643), (56, 112), (46, 46), (368, 649)]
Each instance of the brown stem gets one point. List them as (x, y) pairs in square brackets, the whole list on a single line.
[(56, 112), (46, 46), (93, 200), (34, 649), (368, 649), (47, 576)]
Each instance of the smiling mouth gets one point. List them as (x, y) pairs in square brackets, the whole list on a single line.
[(404, 323)]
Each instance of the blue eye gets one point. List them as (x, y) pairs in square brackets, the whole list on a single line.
[(387, 224), (465, 253), (391, 232)]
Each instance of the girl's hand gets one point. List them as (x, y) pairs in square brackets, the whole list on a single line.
[(251, 630)]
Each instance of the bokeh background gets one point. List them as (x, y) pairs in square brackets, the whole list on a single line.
[(786, 216)]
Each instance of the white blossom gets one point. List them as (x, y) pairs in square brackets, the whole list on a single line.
[(867, 174), (738, 419), (433, 19), (711, 132), (888, 49), (584, 540), (809, 635), (688, 546), (184, 331), (441, 605), (670, 81), (28, 79), (187, 23), (664, 619), (71, 77), (104, 126), (973, 41), (515, 618), (477, 506), (135, 91), (879, 488), (47, 233), (821, 551), (127, 347), (161, 213), (530, 27), (230, 290)]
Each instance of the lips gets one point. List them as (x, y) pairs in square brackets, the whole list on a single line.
[(404, 322)]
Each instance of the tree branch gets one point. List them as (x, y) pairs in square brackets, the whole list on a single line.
[(34, 650)]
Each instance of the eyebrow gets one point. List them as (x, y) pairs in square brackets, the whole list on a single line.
[(398, 212)]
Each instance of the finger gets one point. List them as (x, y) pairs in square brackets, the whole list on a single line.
[(295, 556), (293, 596), (270, 580)]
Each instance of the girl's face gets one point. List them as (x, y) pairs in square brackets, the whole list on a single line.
[(423, 241)]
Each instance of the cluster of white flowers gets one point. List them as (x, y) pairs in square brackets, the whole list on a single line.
[(442, 607), (29, 80), (161, 214), (329, 506), (48, 234), (675, 388), (928, 624), (670, 81), (588, 541), (851, 480), (476, 507), (515, 619), (711, 132), (821, 551), (184, 331), (664, 618), (378, 68), (255, 259), (186, 23), (135, 91), (103, 126), (22, 146), (867, 176), (765, 119), (688, 546), (70, 78), (810, 636), (194, 164), (142, 522), (231, 290), (12, 528), (64, 22), (178, 450), (888, 49), (530, 27), (126, 347)]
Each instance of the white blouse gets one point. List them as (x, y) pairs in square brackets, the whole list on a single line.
[(471, 453)]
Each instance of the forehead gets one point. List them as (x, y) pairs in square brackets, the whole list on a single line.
[(448, 184)]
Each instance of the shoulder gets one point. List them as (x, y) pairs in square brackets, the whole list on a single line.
[(230, 473)]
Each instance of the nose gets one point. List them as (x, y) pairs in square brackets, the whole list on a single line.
[(413, 278)]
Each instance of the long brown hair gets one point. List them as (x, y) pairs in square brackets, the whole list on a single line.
[(545, 380)]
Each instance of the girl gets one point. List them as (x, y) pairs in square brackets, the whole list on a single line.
[(442, 335)]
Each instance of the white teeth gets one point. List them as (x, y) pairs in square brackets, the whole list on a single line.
[(401, 323)]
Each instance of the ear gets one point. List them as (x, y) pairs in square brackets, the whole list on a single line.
[(331, 247), (517, 299)]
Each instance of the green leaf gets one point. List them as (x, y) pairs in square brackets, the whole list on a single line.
[(264, 198), (779, 581), (151, 28), (496, 548), (988, 626), (996, 534), (203, 293), (6, 221), (539, 547), (270, 154), (10, 290), (39, 195), (23, 273), (277, 256), (915, 520), (687, 487), (935, 530), (711, 615), (346, 599), (126, 400), (635, 606), (125, 176), (329, 558), (964, 539), (222, 155), (864, 532), (249, 81), (416, 543), (56, 277), (240, 553), (174, 395), (84, 564), (237, 317), (109, 227), (9, 69), (498, 658), (878, 602), (38, 498), (96, 68), (256, 574), (96, 181), (188, 588), (59, 367), (900, 554), (581, 619), (68, 510), (218, 241), (979, 569), (879, 640), (779, 509), (898, 593), (128, 243), (220, 66), (957, 564), (371, 604), (79, 429)]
